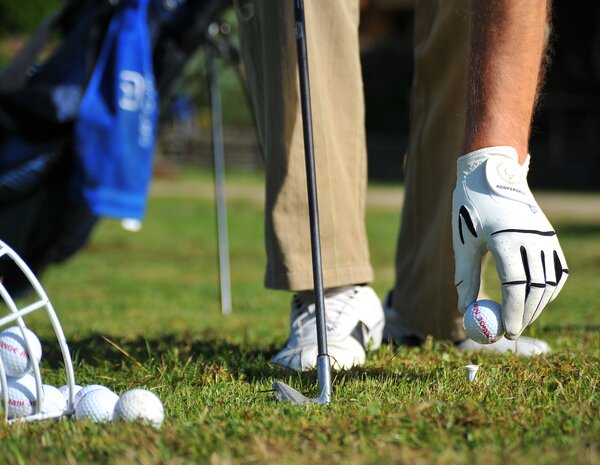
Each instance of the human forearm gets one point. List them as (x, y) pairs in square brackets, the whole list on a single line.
[(508, 41)]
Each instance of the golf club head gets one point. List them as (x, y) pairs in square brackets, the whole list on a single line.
[(286, 393)]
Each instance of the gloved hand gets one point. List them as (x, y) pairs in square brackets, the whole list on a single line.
[(493, 209)]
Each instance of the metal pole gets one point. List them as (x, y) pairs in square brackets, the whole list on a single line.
[(219, 172)]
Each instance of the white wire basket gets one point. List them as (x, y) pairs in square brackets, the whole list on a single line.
[(15, 317)]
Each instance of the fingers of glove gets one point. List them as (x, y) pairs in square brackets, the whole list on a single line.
[(513, 300), (547, 260), (534, 267), (467, 257), (528, 284), (468, 276), (561, 271), (512, 272)]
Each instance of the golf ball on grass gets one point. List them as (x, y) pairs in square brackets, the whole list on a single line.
[(82, 391), (483, 321), (13, 351), (96, 405), (140, 405)]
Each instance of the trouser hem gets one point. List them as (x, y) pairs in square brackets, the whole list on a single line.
[(302, 280)]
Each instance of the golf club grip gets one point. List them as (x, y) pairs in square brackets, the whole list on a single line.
[(302, 56)]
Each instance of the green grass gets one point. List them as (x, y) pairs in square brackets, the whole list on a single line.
[(142, 310)]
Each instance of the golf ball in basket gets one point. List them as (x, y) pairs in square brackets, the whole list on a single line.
[(483, 321), (140, 404), (16, 359), (21, 396), (97, 405), (64, 390), (54, 402)]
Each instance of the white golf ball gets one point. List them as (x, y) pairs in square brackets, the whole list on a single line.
[(140, 404), (21, 396), (16, 359), (64, 390), (483, 321), (85, 390), (97, 405), (54, 402)]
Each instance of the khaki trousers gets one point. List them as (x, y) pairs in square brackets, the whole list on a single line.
[(424, 295)]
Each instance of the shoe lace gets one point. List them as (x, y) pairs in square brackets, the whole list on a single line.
[(336, 304)]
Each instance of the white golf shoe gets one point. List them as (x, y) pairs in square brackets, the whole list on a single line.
[(355, 321), (396, 333)]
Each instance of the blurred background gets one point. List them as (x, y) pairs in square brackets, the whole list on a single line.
[(566, 133)]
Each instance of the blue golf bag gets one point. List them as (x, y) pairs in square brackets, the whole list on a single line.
[(78, 123)]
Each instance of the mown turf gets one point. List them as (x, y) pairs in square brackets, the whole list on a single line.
[(142, 310)]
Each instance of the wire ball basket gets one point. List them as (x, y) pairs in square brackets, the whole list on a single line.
[(15, 316)]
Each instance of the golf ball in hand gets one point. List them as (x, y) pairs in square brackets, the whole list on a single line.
[(13, 351), (483, 321), (140, 404)]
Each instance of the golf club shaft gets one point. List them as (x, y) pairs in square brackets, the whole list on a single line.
[(219, 171), (301, 53)]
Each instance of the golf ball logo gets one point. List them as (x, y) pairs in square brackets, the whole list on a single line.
[(6, 346), (483, 321), (16, 359)]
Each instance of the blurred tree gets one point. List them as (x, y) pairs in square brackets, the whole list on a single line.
[(23, 17)]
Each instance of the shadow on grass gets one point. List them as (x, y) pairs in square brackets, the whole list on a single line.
[(242, 360), (102, 350)]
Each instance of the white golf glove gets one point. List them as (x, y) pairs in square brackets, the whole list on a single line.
[(493, 209)]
